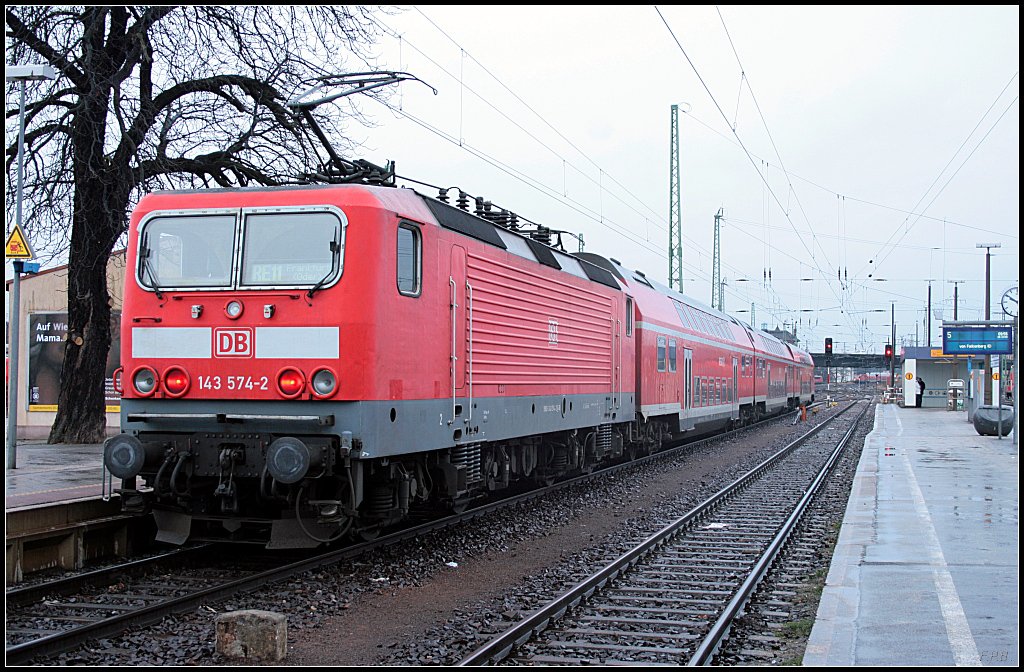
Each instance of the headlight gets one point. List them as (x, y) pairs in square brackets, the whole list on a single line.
[(144, 381), (288, 460), (123, 456), (233, 309), (324, 383)]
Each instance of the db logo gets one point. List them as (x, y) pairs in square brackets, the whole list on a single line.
[(232, 342)]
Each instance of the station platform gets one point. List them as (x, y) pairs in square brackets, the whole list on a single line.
[(52, 474), (926, 567)]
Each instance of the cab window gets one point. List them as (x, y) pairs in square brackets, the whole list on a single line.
[(187, 251), (291, 248), (410, 254)]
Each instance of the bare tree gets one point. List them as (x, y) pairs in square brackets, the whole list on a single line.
[(157, 97)]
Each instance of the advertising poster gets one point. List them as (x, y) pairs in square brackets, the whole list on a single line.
[(48, 333)]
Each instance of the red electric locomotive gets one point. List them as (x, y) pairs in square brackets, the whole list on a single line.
[(302, 363)]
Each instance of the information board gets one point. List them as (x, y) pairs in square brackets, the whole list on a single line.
[(977, 340)]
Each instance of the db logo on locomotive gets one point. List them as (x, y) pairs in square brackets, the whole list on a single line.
[(235, 342)]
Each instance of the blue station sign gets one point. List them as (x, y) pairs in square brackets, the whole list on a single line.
[(977, 340)]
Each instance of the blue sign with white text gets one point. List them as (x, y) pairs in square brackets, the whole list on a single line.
[(977, 340)]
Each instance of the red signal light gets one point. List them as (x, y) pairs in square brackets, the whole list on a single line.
[(888, 351), (176, 381), (290, 382)]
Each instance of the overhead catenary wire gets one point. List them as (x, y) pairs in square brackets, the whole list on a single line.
[(530, 181), (962, 164), (598, 216), (463, 86), (537, 114), (748, 154), (829, 190)]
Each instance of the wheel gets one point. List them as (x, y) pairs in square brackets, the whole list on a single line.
[(369, 533)]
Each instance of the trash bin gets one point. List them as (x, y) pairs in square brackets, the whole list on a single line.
[(986, 420)]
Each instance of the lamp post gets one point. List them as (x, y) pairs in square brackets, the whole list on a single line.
[(988, 308), (19, 73)]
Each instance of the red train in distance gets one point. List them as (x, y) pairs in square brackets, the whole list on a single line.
[(306, 363)]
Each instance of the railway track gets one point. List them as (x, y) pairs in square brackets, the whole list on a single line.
[(55, 617), (672, 599)]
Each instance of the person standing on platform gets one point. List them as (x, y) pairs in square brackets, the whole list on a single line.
[(920, 390)]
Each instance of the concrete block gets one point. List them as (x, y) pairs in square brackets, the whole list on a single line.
[(252, 634)]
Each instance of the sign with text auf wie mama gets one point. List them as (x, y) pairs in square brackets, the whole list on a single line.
[(17, 246)]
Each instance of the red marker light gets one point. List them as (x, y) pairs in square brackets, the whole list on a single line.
[(176, 381), (290, 382)]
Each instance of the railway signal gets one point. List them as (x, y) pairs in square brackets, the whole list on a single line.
[(888, 353)]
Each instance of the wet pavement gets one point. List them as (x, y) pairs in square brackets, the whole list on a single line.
[(48, 474), (926, 568)]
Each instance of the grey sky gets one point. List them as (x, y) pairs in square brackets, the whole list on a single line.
[(564, 117), (561, 114)]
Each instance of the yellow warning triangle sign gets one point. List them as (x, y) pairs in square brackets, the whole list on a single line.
[(17, 246)]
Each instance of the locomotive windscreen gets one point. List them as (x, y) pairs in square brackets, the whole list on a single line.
[(279, 249), (289, 248), (187, 251)]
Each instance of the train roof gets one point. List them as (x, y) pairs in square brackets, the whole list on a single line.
[(761, 340), (408, 202), (587, 265)]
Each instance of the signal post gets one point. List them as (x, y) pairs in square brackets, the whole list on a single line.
[(19, 251)]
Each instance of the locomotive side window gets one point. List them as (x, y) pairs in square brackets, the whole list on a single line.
[(672, 356), (291, 248), (661, 353), (186, 251), (629, 316), (410, 251)]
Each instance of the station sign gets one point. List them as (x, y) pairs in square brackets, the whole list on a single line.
[(977, 340)]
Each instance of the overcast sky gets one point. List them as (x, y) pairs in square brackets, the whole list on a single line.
[(879, 144), (855, 152)]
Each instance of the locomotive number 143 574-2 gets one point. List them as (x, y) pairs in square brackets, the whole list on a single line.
[(233, 383)]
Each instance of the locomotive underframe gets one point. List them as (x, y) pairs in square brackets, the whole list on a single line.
[(207, 472), (206, 486), (213, 482)]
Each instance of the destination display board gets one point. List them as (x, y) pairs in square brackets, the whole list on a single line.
[(977, 340)]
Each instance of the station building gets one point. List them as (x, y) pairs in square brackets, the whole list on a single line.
[(43, 331), (938, 369)]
